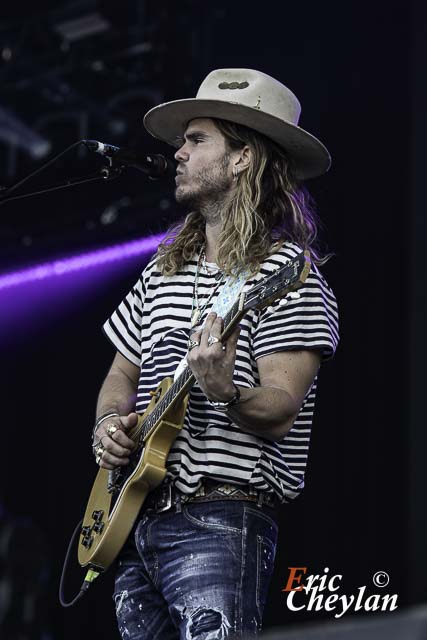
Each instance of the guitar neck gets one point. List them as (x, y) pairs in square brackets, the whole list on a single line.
[(186, 379)]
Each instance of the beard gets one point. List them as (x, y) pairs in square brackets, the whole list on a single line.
[(209, 187)]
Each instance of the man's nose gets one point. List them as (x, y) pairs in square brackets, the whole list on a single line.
[(181, 155)]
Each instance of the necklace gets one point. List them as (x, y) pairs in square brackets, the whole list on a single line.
[(196, 308), (209, 270)]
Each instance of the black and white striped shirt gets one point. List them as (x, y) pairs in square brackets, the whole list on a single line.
[(151, 328)]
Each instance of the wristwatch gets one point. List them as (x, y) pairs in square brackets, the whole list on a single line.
[(223, 406)]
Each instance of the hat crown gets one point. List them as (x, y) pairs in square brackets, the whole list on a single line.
[(252, 89)]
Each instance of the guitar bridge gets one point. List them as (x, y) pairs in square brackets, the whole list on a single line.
[(115, 481)]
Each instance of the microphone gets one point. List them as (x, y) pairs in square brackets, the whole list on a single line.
[(153, 165)]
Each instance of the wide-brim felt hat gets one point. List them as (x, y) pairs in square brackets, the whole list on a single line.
[(250, 98)]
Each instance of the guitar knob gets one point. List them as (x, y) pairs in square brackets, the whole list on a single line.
[(98, 527), (87, 541), (97, 515)]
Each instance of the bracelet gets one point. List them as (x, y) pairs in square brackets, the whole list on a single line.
[(223, 406), (104, 416)]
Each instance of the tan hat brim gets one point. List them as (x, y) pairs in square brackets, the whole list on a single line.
[(168, 122)]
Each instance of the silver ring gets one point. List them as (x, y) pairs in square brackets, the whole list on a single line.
[(192, 344), (111, 428), (213, 340), (98, 451)]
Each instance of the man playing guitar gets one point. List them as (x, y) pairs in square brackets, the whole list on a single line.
[(200, 556)]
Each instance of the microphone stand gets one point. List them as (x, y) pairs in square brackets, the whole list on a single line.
[(106, 173)]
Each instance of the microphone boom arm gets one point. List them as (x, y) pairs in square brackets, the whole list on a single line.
[(118, 159)]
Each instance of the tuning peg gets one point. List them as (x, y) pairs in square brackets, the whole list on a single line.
[(270, 309), (282, 302), (294, 295)]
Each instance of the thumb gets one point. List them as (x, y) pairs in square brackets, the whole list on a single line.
[(234, 336), (231, 346), (129, 421)]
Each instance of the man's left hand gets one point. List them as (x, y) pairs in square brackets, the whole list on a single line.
[(212, 365)]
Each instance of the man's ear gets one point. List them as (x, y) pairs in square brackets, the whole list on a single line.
[(243, 158)]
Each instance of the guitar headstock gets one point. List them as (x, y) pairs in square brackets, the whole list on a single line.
[(279, 283)]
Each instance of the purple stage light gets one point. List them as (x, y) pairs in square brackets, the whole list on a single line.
[(82, 261)]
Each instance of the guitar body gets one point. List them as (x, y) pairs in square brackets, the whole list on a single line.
[(106, 525)]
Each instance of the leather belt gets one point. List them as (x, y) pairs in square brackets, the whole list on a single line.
[(166, 495)]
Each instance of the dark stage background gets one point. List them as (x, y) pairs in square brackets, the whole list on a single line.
[(358, 70)]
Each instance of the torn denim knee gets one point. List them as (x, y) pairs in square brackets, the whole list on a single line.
[(206, 624)]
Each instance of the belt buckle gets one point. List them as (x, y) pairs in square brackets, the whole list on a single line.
[(168, 499)]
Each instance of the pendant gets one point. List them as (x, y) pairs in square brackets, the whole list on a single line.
[(195, 317)]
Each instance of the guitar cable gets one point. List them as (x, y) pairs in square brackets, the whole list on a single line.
[(91, 574)]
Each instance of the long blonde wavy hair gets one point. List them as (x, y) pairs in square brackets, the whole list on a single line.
[(269, 207)]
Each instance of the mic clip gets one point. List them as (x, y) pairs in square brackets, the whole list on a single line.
[(112, 167)]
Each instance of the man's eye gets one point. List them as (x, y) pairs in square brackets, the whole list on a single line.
[(181, 141)]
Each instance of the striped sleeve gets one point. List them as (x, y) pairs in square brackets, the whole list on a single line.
[(123, 327), (307, 322)]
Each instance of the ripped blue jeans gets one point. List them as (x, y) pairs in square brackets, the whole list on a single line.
[(199, 571)]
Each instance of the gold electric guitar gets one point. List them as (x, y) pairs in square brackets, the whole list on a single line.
[(114, 504)]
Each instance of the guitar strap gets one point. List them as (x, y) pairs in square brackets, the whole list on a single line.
[(228, 294)]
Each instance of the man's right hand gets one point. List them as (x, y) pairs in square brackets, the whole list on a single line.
[(117, 446)]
